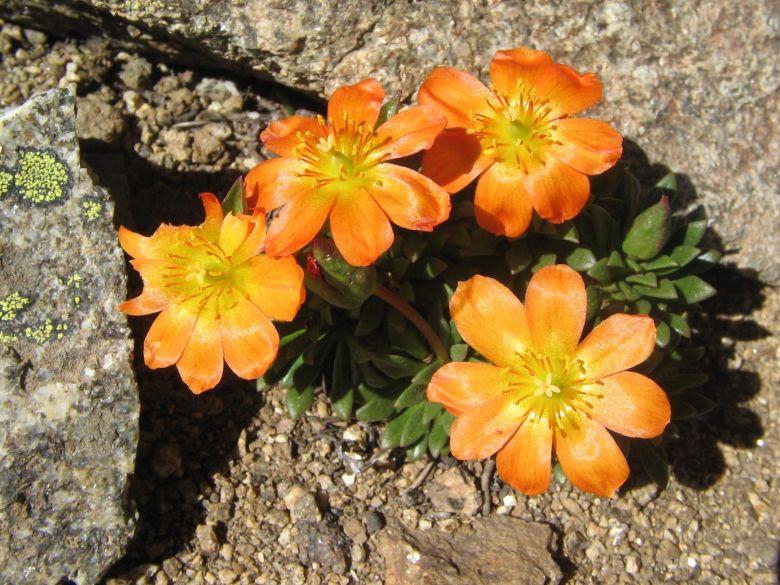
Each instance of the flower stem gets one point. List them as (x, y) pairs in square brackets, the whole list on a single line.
[(414, 317)]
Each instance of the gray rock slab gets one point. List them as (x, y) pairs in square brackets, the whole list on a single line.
[(68, 399), (693, 84)]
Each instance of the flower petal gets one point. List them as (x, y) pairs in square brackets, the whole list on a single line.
[(555, 303), (632, 404), (568, 92), (589, 456), (502, 206), (200, 364), (254, 242), (360, 228), (525, 461), (282, 136), (517, 69), (214, 215), (455, 159), (457, 95), (616, 344), (275, 285), (168, 336), (491, 319), (588, 146), (408, 132), (409, 199), (151, 300), (359, 103), (298, 222), (480, 432), (460, 386), (558, 192), (249, 340), (134, 244), (235, 229), (275, 182)]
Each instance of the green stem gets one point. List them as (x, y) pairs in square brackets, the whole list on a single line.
[(414, 317)]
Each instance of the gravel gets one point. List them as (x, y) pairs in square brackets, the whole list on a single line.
[(230, 490)]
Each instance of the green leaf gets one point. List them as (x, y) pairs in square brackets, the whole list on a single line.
[(418, 450), (371, 375), (424, 376), (458, 352), (581, 259), (649, 231), (359, 352), (413, 394), (693, 289), (680, 324), (389, 109), (439, 436), (653, 460), (430, 411), (663, 334), (601, 272), (603, 227), (482, 244), (629, 293), (667, 183), (518, 257), (413, 246), (405, 429), (682, 382), (694, 232), (684, 254), (645, 279), (700, 404), (234, 200), (342, 392), (379, 409), (594, 302), (544, 260), (399, 266), (662, 262), (396, 366), (371, 315), (299, 401), (664, 290)]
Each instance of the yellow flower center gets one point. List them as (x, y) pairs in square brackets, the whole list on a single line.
[(517, 130), (551, 389), (338, 154)]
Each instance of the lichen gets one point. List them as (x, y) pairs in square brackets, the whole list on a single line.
[(43, 332), (40, 177), (12, 305), (92, 208), (6, 179)]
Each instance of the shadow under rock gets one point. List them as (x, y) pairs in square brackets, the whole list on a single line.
[(695, 457)]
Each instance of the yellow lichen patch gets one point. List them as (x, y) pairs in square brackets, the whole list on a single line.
[(73, 282), (6, 338), (40, 177), (45, 331), (92, 209), (5, 182), (11, 305)]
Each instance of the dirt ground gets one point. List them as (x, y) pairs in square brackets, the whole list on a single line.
[(230, 490)]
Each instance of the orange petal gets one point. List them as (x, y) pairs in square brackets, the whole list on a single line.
[(408, 132), (558, 192), (298, 222), (589, 456), (249, 340), (588, 146), (282, 136), (359, 103), (501, 204), (632, 404), (616, 344), (254, 242), (360, 228), (409, 199), (275, 182), (491, 319), (168, 336), (568, 92), (480, 432), (201, 365), (525, 461), (555, 303), (457, 95), (517, 65), (214, 215), (149, 301), (134, 244), (454, 160), (275, 285), (235, 229), (460, 386)]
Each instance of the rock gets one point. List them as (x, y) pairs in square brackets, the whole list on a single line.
[(374, 521), (68, 399), (678, 81), (208, 142), (136, 73), (208, 543), (99, 120), (498, 551), (302, 505), (452, 493), (325, 543)]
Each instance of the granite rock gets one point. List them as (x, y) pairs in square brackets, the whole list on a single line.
[(68, 400), (694, 85)]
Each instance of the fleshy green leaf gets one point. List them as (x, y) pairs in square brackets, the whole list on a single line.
[(418, 450), (662, 334), (379, 409), (680, 324), (414, 394), (664, 290), (458, 352), (693, 289), (397, 366), (518, 257), (653, 461), (406, 428), (684, 254), (649, 231), (299, 401), (234, 200), (581, 259), (694, 232), (389, 109), (342, 393)]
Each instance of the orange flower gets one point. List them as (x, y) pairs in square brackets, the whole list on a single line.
[(217, 293), (337, 168), (547, 391), (519, 138)]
